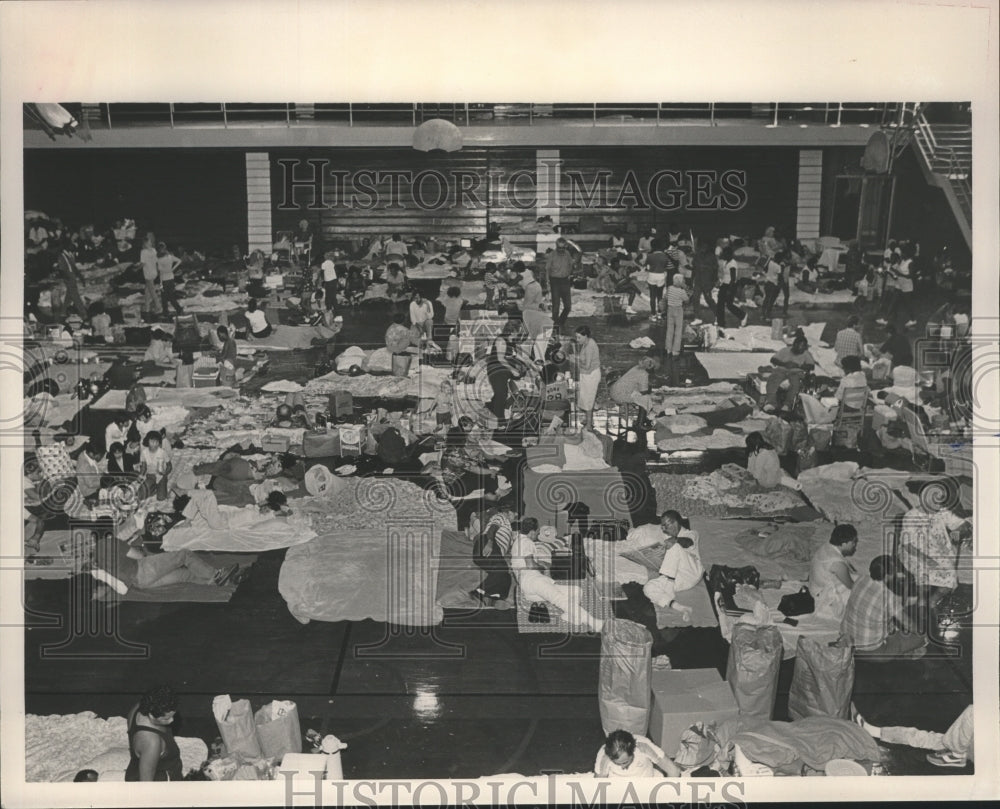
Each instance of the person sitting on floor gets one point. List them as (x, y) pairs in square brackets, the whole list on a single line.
[(117, 431), (397, 336), (257, 325), (875, 623), (681, 568), (354, 286), (831, 575), (155, 465), (790, 364), (159, 352), (489, 552), (953, 748), (89, 471), (848, 342), (100, 322), (121, 467), (536, 585), (625, 755), (154, 754), (395, 282), (765, 466)]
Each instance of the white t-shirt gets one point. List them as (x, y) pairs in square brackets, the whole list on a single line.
[(904, 283), (641, 766), (396, 248), (257, 320), (420, 312), (156, 462), (329, 271)]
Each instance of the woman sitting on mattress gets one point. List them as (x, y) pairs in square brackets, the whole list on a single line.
[(831, 576), (764, 465), (681, 568)]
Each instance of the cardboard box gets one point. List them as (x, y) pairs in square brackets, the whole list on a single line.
[(682, 697), (273, 442), (352, 438), (341, 403)]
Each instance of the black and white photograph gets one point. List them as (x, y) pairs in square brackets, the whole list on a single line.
[(384, 449)]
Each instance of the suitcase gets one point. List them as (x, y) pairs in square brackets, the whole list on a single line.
[(208, 378), (321, 445)]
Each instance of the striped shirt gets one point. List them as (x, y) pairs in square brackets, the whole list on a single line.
[(848, 344), (503, 536), (868, 614), (677, 296)]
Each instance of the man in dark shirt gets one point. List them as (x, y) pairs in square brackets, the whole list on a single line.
[(897, 347), (559, 269)]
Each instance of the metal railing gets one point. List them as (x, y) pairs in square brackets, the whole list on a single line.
[(957, 171), (467, 114)]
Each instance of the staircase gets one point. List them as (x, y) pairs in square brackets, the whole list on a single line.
[(945, 157)]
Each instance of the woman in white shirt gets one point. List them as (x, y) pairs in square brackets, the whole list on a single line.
[(155, 465), (422, 315), (257, 320), (681, 568), (627, 756)]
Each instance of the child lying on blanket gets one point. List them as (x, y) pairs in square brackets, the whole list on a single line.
[(681, 568)]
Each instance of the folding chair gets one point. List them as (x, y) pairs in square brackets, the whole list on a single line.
[(919, 445), (525, 408), (620, 421), (303, 249)]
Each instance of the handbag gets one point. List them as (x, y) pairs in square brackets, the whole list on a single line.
[(723, 579), (800, 603)]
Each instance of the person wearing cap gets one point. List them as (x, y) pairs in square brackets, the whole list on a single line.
[(559, 266)]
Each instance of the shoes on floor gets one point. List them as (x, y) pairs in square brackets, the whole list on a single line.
[(910, 324), (696, 322), (945, 758), (746, 319), (769, 408), (882, 321)]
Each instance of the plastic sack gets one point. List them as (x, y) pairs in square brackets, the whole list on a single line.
[(822, 680), (624, 681), (752, 668), (320, 480), (236, 726), (278, 729), (778, 433)]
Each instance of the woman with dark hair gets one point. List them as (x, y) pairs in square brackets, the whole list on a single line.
[(588, 374), (627, 756), (154, 754), (500, 367), (681, 568), (257, 321)]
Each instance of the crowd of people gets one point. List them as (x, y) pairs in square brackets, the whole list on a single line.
[(680, 276)]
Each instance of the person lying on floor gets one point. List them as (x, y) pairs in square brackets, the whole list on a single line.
[(764, 465), (490, 549), (953, 748), (232, 476), (831, 575), (122, 567), (535, 584), (625, 755), (201, 511), (681, 568)]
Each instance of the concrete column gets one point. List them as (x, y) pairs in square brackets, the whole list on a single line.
[(547, 179), (810, 193), (259, 235)]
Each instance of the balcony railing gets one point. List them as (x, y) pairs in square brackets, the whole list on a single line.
[(230, 115)]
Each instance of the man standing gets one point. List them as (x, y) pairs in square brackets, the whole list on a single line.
[(559, 268), (66, 264), (422, 316), (329, 270)]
